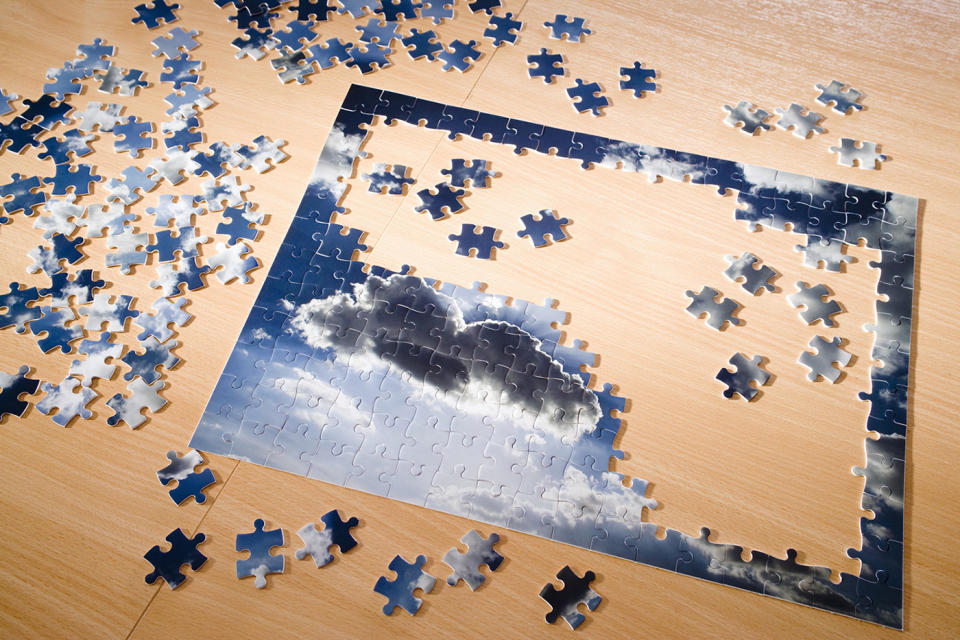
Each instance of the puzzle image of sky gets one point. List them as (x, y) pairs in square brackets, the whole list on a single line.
[(376, 364)]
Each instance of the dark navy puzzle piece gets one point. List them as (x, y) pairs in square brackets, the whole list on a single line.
[(589, 100), (154, 356), (487, 6), (239, 226), (167, 564), (393, 10), (312, 9), (12, 386), (317, 544), (261, 562), (45, 112), (14, 310), (54, 324), (564, 602), (747, 371), (156, 13), (546, 65), (572, 28), (422, 44), (189, 482), (336, 244), (445, 201), (72, 142), (16, 137), (638, 79), (477, 173), (503, 29), (79, 178), (459, 55), (24, 193), (399, 592), (538, 226), (478, 239)]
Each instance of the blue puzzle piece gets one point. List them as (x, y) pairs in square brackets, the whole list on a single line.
[(54, 324), (183, 133), (132, 136), (358, 8), (15, 137), (43, 113), (156, 13), (79, 178), (261, 562), (393, 10), (239, 225), (312, 9), (166, 564), (422, 44), (476, 173), (390, 177), (445, 201), (379, 32), (638, 79), (180, 71), (24, 193), (573, 28), (479, 238), (334, 243), (80, 287), (399, 592), (364, 58), (93, 57), (437, 10), (49, 258), (296, 36), (459, 55), (325, 54), (588, 100), (59, 149), (503, 30), (546, 65), (64, 81), (16, 312), (484, 5), (12, 386), (545, 224), (193, 485)]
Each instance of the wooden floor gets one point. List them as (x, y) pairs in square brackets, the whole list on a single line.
[(81, 505)]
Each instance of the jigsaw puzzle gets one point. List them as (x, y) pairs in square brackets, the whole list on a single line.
[(167, 564), (466, 566), (564, 602), (399, 592), (317, 544), (444, 395), (260, 562)]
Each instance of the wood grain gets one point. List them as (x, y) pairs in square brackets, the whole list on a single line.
[(82, 505)]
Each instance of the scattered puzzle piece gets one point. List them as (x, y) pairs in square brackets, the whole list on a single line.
[(466, 566), (80, 287), (458, 55), (114, 314), (389, 177), (718, 313), (67, 403), (15, 311), (446, 201), (124, 83), (157, 324), (858, 153), (129, 408), (811, 298), (745, 269), (146, 365), (564, 602), (478, 239), (545, 223), (840, 98), (477, 173), (235, 262), (828, 354), (317, 543), (829, 254), (12, 386), (133, 136), (261, 562), (156, 13), (399, 592), (546, 65), (638, 79), (749, 119), (166, 564), (572, 28), (95, 365), (739, 382), (54, 324), (503, 30), (189, 482), (589, 98), (802, 121)]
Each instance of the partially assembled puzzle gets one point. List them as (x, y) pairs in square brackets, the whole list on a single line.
[(471, 402)]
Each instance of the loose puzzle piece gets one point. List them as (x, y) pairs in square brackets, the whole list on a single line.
[(54, 324), (133, 136), (24, 193), (186, 271), (79, 178), (147, 364), (503, 30), (477, 173), (747, 371), (486, 6), (180, 71), (292, 66), (176, 41), (155, 13), (710, 302), (216, 162), (828, 354), (590, 100), (858, 153), (60, 217), (399, 592), (466, 566), (80, 287), (12, 386), (829, 254), (480, 239), (189, 481), (95, 365), (317, 544), (235, 262), (538, 226), (123, 83), (745, 268), (546, 65), (112, 217), (436, 10), (67, 403), (749, 119), (798, 118), (459, 55), (171, 242), (98, 115), (393, 10), (226, 190), (63, 81), (129, 249), (815, 307), (60, 149), (166, 564), (254, 44), (312, 9), (389, 177), (125, 191), (383, 33), (114, 314), (571, 28), (13, 307), (181, 133), (45, 112), (129, 408), (241, 219), (166, 313), (261, 562), (444, 202), (49, 259), (332, 50), (358, 8), (564, 602), (178, 209), (840, 98), (186, 103), (93, 57), (296, 35), (638, 79), (263, 154)]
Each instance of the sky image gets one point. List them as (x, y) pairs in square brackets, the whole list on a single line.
[(450, 398)]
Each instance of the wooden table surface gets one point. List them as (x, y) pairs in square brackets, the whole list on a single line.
[(81, 505)]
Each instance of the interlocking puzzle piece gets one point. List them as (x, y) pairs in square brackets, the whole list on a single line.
[(49, 259), (114, 313), (133, 136), (225, 190), (253, 16), (95, 365), (115, 80), (477, 173), (45, 112), (839, 96), (572, 28), (98, 115), (466, 566), (753, 278), (478, 239), (59, 149), (176, 41), (147, 364), (255, 44), (437, 10), (487, 6), (68, 403), (829, 254), (12, 386), (545, 223), (564, 602), (60, 217), (393, 10), (750, 119), (503, 29), (216, 162), (186, 103), (296, 36), (389, 177), (325, 54), (63, 81), (166, 313), (186, 271), (63, 287), (546, 65), (54, 324), (112, 217), (14, 310), (166, 564), (858, 153), (125, 191), (189, 482), (259, 154), (312, 9), (718, 312), (180, 71), (399, 592), (129, 249), (459, 55), (638, 79), (142, 396), (828, 354), (24, 193), (589, 97), (5, 100), (383, 33), (261, 562), (178, 209), (181, 133), (358, 8), (446, 201), (338, 242), (235, 262), (15, 137), (747, 371), (815, 307), (156, 13), (292, 66), (800, 119), (241, 219), (317, 544), (78, 178), (93, 57)]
